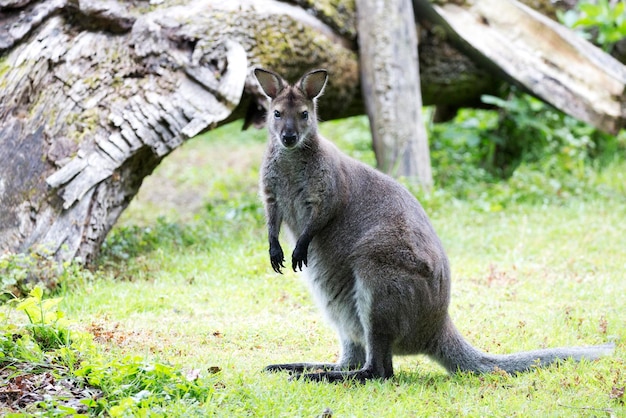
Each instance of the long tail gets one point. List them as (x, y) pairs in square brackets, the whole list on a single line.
[(453, 352)]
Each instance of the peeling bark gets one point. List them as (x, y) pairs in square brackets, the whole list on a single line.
[(541, 56)]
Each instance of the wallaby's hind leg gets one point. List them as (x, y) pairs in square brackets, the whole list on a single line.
[(378, 344), (378, 364), (352, 355)]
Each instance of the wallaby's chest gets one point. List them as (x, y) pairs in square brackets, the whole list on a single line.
[(290, 183)]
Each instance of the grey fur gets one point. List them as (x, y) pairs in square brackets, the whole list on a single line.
[(374, 262)]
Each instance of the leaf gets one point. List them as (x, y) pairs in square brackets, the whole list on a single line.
[(585, 21), (120, 409), (590, 9), (26, 304), (568, 18), (37, 293), (141, 395), (618, 12), (48, 304), (493, 100), (68, 411), (163, 369)]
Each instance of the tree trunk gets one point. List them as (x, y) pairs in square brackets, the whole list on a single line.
[(94, 94), (390, 81)]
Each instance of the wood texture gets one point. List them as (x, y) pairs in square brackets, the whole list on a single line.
[(390, 80), (534, 52)]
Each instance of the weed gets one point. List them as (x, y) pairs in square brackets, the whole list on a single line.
[(603, 21), (45, 351), (22, 272)]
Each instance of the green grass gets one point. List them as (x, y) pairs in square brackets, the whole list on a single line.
[(185, 280)]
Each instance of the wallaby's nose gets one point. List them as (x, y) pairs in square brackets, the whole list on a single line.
[(289, 138)]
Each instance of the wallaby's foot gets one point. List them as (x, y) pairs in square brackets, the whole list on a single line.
[(325, 372), (361, 376), (299, 368)]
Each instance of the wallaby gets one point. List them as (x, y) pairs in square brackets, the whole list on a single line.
[(374, 262)]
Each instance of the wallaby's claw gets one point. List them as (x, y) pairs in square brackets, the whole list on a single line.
[(297, 265), (277, 264), (299, 368), (297, 262), (273, 368), (299, 258), (277, 258)]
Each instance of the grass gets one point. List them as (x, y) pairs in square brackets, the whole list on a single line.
[(185, 280)]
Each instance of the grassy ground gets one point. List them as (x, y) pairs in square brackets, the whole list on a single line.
[(185, 279)]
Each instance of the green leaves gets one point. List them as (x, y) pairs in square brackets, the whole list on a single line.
[(132, 385), (128, 386), (601, 21), (38, 310), (22, 272), (46, 332), (523, 151)]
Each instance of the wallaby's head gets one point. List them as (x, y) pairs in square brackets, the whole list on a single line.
[(292, 116)]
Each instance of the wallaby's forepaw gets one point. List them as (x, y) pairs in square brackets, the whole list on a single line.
[(277, 258), (299, 258)]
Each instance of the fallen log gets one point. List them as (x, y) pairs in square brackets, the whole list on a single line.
[(536, 53)]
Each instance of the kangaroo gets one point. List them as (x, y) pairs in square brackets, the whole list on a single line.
[(374, 263)]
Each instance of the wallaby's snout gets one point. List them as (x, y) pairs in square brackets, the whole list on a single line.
[(289, 139), (289, 135)]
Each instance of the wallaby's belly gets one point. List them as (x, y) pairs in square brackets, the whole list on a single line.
[(412, 314), (333, 285)]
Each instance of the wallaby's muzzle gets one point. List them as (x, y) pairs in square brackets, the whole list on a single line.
[(289, 138)]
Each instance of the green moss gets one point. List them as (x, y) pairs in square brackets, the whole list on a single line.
[(4, 68), (306, 48), (340, 15), (286, 45)]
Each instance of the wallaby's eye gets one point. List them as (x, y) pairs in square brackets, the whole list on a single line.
[(277, 114), (305, 115)]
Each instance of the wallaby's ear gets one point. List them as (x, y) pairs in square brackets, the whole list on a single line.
[(271, 83), (312, 83)]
